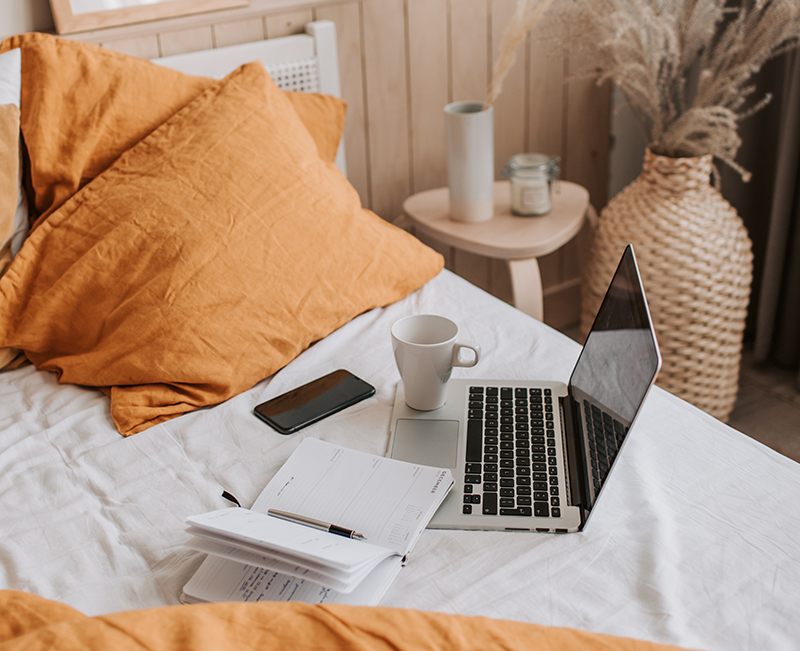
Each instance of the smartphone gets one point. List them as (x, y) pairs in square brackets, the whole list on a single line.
[(311, 402)]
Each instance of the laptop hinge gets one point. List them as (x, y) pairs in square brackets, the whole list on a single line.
[(572, 439)]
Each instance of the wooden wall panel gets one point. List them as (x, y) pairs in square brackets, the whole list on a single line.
[(145, 47), (586, 132), (546, 118), (285, 24), (192, 39), (348, 37), (546, 92), (235, 32), (475, 268), (428, 72), (562, 305), (510, 109), (588, 144), (500, 280), (550, 269), (385, 75), (401, 61), (470, 67), (446, 251)]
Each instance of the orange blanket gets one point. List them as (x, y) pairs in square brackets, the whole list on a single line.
[(29, 622)]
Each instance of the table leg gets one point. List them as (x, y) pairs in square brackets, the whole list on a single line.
[(526, 287)]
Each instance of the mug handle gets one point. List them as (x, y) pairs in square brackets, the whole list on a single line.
[(458, 347)]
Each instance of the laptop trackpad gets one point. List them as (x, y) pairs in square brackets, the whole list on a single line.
[(429, 442)]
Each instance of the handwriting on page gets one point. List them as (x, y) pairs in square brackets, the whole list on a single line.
[(227, 580), (231, 581)]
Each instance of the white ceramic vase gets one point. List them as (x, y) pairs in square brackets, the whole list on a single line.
[(469, 129)]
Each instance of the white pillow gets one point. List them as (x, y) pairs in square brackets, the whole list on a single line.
[(11, 77), (10, 93)]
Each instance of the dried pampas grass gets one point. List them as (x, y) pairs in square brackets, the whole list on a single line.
[(527, 15), (685, 66)]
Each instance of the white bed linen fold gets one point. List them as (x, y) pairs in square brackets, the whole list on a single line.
[(695, 541)]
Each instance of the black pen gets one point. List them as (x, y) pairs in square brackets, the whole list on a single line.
[(316, 524)]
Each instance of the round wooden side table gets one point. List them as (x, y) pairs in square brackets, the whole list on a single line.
[(517, 240)]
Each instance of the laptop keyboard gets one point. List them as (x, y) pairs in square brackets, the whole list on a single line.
[(605, 435), (511, 466)]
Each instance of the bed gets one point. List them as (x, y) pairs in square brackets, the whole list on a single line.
[(695, 543)]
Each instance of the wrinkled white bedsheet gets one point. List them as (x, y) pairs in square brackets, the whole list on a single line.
[(695, 541)]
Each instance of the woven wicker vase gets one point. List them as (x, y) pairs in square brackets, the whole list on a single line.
[(695, 258)]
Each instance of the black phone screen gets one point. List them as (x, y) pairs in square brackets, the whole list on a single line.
[(313, 401)]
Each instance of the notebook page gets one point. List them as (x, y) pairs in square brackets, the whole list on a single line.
[(269, 563), (301, 563), (388, 501), (220, 579), (287, 539)]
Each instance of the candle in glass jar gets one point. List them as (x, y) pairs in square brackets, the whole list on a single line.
[(531, 176)]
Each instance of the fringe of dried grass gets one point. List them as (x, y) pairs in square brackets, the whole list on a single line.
[(527, 15), (653, 49)]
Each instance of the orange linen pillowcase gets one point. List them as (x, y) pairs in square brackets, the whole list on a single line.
[(9, 180), (84, 105), (205, 259), (9, 192), (13, 214)]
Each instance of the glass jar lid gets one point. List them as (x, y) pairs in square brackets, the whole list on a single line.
[(523, 165)]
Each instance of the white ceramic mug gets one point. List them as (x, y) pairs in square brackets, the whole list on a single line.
[(426, 350)]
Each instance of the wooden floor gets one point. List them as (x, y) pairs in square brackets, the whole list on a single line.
[(768, 406)]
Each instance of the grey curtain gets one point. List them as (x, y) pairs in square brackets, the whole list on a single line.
[(770, 207), (777, 315)]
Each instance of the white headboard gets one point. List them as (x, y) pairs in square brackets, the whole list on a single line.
[(303, 62)]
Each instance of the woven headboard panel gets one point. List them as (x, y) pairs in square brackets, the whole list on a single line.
[(301, 76)]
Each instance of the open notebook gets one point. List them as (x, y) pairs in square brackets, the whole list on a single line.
[(257, 557)]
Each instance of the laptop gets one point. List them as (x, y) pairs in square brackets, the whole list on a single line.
[(536, 455)]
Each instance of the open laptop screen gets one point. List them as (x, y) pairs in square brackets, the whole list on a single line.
[(615, 370)]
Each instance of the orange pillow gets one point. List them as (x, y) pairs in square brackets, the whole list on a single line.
[(84, 105), (9, 179), (9, 192), (205, 259)]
